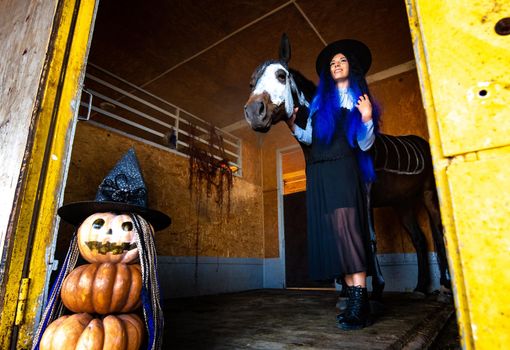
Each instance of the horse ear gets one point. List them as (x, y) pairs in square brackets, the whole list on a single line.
[(285, 48)]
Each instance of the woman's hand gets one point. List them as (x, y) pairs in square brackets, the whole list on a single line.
[(365, 108), (292, 119)]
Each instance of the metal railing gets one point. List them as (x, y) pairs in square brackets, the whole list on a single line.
[(118, 105)]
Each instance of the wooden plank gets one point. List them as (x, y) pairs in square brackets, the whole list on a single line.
[(26, 30), (23, 55), (47, 155)]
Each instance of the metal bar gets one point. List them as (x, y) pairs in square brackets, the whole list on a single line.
[(142, 101), (131, 109), (126, 121), (152, 95), (124, 92), (132, 85), (88, 105), (154, 144), (149, 130)]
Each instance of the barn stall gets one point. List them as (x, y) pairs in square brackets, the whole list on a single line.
[(171, 79), (162, 77), (157, 72)]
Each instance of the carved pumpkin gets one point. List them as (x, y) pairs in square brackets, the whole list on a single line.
[(107, 237), (103, 288), (82, 331)]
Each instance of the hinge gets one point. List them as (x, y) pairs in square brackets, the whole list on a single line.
[(22, 301), (89, 106)]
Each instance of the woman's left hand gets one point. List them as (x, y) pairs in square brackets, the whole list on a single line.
[(365, 108)]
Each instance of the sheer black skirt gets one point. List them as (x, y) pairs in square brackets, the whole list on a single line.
[(338, 235)]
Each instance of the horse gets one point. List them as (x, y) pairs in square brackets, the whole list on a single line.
[(403, 164)]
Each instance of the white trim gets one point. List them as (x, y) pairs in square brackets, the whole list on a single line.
[(185, 276), (236, 126), (310, 23), (392, 71), (400, 271), (281, 222), (218, 42), (279, 277)]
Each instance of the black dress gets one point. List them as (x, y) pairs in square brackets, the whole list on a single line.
[(338, 234)]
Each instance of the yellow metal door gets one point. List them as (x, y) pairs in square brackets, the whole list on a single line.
[(462, 51), (43, 176)]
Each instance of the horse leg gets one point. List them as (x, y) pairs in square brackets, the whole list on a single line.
[(432, 206), (377, 277), (408, 220)]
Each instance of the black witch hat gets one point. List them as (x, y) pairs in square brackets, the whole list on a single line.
[(122, 190), (348, 47)]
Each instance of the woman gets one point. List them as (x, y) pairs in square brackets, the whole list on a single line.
[(339, 131)]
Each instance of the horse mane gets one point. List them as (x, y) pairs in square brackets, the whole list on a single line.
[(306, 86)]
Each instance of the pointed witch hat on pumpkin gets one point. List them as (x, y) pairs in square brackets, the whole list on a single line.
[(123, 190)]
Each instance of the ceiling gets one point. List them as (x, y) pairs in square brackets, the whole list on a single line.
[(199, 55)]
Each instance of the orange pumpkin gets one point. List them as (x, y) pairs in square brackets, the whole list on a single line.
[(82, 331), (108, 237), (103, 288)]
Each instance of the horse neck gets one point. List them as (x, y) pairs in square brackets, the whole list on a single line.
[(307, 88), (304, 86)]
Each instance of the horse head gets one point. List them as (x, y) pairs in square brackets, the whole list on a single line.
[(273, 92)]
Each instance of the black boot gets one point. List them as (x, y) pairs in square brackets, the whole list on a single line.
[(358, 316), (341, 316)]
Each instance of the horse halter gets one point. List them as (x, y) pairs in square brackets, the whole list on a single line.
[(296, 93), (297, 96), (288, 92)]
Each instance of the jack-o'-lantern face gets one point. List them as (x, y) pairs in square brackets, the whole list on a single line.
[(108, 237)]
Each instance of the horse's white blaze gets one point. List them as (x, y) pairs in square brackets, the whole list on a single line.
[(278, 91)]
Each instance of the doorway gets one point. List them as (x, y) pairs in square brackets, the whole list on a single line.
[(293, 199)]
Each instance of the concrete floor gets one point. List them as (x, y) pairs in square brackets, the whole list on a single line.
[(448, 338), (297, 319)]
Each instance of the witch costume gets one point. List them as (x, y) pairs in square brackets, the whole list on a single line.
[(123, 190), (338, 168)]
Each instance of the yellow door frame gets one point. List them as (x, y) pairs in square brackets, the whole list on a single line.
[(45, 167), (469, 141), (462, 60)]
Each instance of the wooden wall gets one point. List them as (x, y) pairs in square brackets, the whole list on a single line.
[(25, 28), (239, 234)]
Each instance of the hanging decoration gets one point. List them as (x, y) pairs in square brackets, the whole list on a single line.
[(209, 170)]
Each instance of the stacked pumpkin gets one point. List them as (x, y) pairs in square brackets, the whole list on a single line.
[(110, 286)]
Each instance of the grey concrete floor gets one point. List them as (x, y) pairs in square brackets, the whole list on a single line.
[(297, 319), (448, 338)]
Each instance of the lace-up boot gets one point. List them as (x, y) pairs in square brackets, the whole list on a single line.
[(341, 316), (358, 315)]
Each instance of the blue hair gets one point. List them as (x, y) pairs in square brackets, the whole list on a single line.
[(325, 110)]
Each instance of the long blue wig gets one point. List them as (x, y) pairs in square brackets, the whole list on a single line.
[(326, 111)]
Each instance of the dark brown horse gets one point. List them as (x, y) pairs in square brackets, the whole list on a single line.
[(403, 164)]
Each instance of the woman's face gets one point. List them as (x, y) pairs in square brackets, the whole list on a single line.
[(339, 68)]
